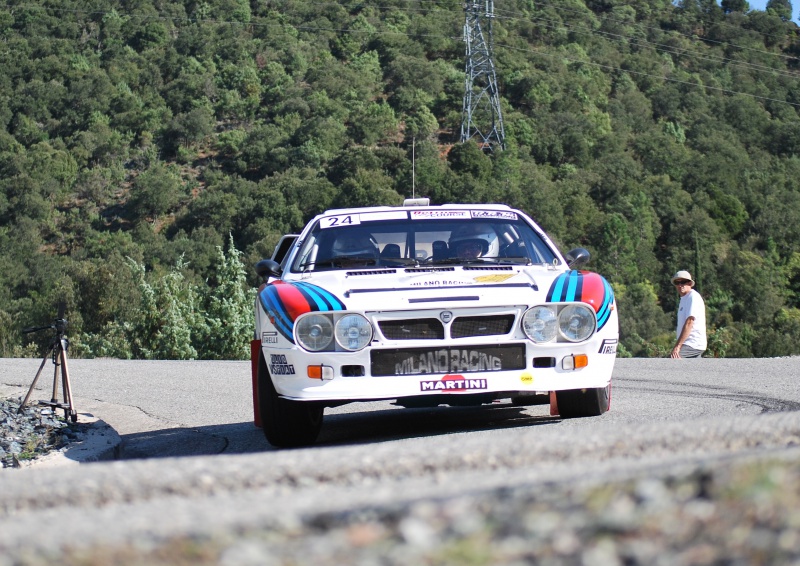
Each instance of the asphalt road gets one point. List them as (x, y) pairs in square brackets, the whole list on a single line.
[(195, 464)]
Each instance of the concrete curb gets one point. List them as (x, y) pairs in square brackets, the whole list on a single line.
[(98, 442)]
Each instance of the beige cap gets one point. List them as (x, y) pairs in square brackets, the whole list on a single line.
[(683, 275)]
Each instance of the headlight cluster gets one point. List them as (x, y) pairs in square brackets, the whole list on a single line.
[(573, 322), (328, 332)]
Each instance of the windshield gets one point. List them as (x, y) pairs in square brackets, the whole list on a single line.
[(420, 238)]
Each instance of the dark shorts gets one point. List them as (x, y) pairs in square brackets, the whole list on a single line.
[(687, 352)]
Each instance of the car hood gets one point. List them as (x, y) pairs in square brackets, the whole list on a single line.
[(402, 288), (412, 286)]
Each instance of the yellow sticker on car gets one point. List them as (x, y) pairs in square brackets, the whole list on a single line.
[(496, 278)]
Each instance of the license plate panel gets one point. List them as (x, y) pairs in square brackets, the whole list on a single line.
[(447, 360)]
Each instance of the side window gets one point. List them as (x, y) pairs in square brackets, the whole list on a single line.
[(283, 247), (539, 252), (518, 241), (304, 260)]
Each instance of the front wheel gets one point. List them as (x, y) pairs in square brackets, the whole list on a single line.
[(577, 403), (286, 424)]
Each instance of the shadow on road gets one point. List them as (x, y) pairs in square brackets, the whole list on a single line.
[(337, 430)]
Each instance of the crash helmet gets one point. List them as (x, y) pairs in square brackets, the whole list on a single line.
[(481, 234), (355, 243)]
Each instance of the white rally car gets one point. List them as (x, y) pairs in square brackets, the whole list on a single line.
[(426, 305)]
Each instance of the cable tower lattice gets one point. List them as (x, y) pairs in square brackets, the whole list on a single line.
[(481, 118)]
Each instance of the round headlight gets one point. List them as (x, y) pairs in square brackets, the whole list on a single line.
[(540, 323), (314, 332), (353, 332), (576, 323)]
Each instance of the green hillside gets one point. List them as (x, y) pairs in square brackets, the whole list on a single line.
[(152, 151)]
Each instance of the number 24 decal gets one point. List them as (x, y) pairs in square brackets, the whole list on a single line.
[(345, 220)]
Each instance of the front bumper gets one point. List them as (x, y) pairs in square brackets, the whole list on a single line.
[(348, 377), (470, 351)]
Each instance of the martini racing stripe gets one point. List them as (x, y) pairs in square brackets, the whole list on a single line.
[(605, 309), (587, 287), (325, 300), (285, 301), (566, 287), (277, 314)]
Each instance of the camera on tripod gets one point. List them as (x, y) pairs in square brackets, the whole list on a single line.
[(59, 324), (58, 349)]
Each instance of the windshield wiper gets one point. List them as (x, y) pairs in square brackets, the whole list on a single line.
[(455, 261), (512, 260), (397, 261), (345, 261), (481, 260)]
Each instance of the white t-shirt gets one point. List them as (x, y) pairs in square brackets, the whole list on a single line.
[(692, 305)]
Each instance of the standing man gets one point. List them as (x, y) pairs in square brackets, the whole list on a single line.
[(691, 330)]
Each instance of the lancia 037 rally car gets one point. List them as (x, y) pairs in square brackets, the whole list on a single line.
[(426, 305)]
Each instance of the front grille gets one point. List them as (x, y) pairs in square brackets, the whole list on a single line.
[(465, 326), (371, 272), (421, 329), (428, 269)]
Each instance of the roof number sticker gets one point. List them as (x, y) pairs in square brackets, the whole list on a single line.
[(343, 220), (494, 214), (439, 214)]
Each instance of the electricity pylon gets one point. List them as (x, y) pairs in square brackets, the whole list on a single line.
[(481, 117)]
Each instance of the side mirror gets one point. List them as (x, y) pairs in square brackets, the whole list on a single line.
[(577, 257), (268, 268)]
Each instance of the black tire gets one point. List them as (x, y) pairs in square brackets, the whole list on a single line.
[(286, 424), (578, 403)]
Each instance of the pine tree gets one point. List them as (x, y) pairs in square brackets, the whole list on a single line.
[(229, 313), (781, 8), (167, 318)]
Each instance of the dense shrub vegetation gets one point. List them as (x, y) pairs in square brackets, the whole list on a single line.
[(152, 150)]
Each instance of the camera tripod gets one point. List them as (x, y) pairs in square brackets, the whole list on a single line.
[(58, 351)]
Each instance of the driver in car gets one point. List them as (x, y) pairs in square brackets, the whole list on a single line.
[(355, 246), (469, 249), (473, 241)]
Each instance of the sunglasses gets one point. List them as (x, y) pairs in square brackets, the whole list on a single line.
[(680, 283)]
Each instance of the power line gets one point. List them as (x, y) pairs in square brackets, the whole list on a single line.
[(606, 17), (673, 50), (663, 78), (452, 38)]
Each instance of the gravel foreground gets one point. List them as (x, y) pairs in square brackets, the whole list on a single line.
[(31, 433), (738, 511), (726, 510)]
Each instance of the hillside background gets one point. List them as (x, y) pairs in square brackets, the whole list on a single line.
[(152, 151)]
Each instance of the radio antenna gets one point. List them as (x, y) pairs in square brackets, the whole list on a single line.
[(413, 167)]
